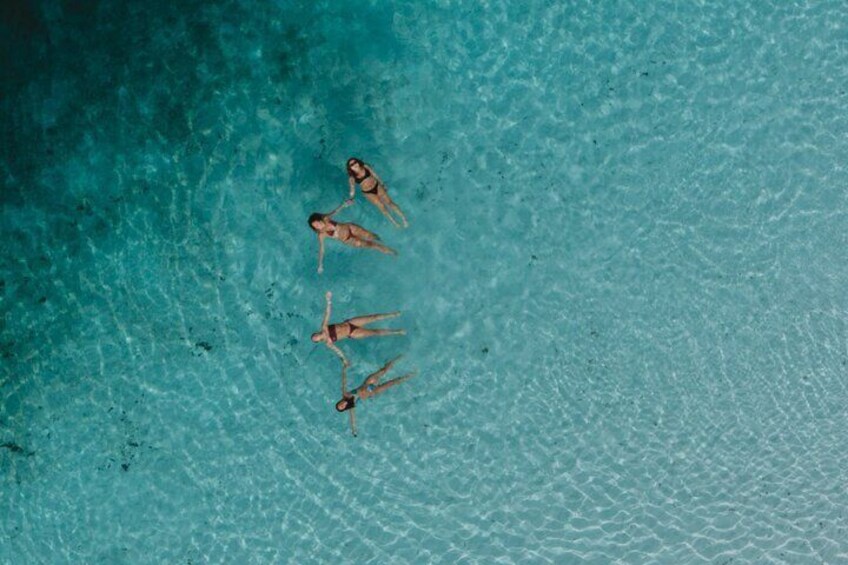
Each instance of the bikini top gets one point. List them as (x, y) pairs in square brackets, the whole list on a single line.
[(373, 189), (363, 177), (335, 232)]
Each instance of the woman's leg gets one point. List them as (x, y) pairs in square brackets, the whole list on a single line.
[(365, 320), (362, 233), (375, 377), (375, 200), (380, 247), (391, 383), (362, 333), (354, 241), (389, 203)]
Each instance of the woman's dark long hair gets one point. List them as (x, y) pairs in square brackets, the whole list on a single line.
[(356, 160), (349, 402), (316, 217)]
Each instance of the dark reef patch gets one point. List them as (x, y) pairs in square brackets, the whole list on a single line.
[(17, 449)]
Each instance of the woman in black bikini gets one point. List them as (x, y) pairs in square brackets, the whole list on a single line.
[(373, 188), (349, 234), (367, 389), (352, 329)]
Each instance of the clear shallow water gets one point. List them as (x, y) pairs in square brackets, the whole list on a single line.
[(623, 284)]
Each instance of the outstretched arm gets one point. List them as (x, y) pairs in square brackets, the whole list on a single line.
[(329, 297), (352, 413), (352, 183), (338, 352), (344, 204), (321, 254)]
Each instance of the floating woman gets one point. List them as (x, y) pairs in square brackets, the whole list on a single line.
[(352, 328), (347, 233), (373, 188), (369, 387)]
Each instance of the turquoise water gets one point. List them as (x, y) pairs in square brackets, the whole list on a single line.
[(623, 284)]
